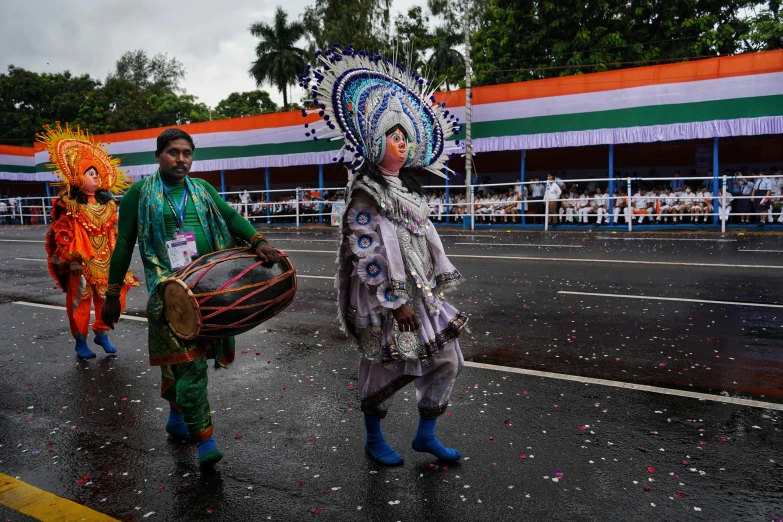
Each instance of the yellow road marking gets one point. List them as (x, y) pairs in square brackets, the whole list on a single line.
[(43, 505)]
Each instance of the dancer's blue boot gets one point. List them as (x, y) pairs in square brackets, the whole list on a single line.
[(208, 454), (82, 350), (103, 342), (426, 442), (375, 446), (176, 425)]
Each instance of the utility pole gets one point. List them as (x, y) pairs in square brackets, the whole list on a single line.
[(468, 142)]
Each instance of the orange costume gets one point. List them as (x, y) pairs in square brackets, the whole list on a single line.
[(81, 240)]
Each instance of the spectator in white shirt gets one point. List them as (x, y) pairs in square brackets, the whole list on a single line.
[(724, 204), (551, 196), (537, 190), (642, 205), (567, 208), (601, 205), (621, 207), (762, 190), (669, 205), (583, 206), (704, 201), (689, 205)]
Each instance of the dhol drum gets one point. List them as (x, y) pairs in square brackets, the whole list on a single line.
[(226, 293)]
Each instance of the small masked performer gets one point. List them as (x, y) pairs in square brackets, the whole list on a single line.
[(81, 240), (393, 270)]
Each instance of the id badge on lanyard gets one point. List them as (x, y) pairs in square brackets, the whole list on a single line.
[(183, 247)]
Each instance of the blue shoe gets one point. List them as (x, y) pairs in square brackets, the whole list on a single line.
[(208, 454), (375, 446), (82, 350), (103, 342), (426, 442), (176, 425)]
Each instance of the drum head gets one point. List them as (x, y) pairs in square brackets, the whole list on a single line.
[(181, 314)]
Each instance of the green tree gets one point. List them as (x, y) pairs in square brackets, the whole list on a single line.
[(363, 23), (766, 28), (141, 92), (177, 109), (522, 39), (278, 60), (156, 74), (30, 100), (241, 104), (446, 63), (413, 37)]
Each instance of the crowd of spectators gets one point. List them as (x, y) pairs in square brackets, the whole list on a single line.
[(589, 202), (675, 200), (314, 205)]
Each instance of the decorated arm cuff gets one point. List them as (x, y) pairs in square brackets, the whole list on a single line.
[(114, 290), (256, 239)]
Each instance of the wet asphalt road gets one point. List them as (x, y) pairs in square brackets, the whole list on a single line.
[(287, 415)]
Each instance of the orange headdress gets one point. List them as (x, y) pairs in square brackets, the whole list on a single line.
[(72, 152)]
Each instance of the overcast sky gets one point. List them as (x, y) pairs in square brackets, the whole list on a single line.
[(209, 37)]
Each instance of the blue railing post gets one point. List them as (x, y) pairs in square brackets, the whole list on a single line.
[(321, 191), (522, 180), (715, 167), (268, 197), (47, 203), (611, 180), (223, 183), (447, 203)]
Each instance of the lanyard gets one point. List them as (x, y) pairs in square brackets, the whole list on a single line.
[(181, 208)]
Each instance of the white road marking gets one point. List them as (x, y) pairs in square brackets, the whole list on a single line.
[(749, 250), (22, 241), (334, 252), (522, 245), (489, 257), (467, 235), (681, 299), (667, 239), (303, 276), (630, 386), (336, 240), (53, 307), (551, 259)]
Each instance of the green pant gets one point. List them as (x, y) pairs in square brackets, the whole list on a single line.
[(184, 385)]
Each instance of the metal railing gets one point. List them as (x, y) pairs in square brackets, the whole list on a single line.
[(25, 211), (456, 203)]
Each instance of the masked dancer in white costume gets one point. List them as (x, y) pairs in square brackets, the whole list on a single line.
[(393, 270)]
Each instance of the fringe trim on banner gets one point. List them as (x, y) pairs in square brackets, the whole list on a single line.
[(654, 133)]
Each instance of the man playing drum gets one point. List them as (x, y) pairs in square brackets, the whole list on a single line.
[(179, 218)]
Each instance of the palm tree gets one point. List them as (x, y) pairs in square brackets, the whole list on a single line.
[(445, 59), (278, 61)]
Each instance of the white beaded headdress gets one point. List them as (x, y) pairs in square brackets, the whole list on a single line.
[(361, 96)]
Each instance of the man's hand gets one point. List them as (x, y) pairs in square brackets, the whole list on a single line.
[(110, 313), (406, 318), (77, 269), (267, 253)]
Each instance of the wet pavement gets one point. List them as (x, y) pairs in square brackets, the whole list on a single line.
[(287, 413)]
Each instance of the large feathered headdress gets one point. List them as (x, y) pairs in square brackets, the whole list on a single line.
[(72, 152), (361, 96)]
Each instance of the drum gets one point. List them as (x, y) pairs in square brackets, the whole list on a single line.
[(226, 293)]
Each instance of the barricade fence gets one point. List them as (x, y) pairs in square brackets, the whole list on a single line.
[(596, 201)]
